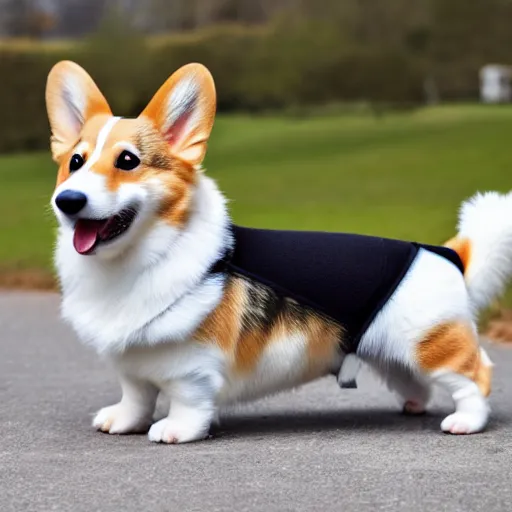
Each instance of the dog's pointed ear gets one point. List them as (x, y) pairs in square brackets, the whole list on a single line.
[(183, 110), (72, 98)]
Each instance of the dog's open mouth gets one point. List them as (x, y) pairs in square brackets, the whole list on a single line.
[(89, 233)]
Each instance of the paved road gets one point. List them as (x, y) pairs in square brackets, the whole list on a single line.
[(317, 449)]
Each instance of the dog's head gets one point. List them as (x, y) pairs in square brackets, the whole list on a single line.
[(118, 177)]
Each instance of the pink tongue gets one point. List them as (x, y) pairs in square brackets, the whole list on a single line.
[(86, 234)]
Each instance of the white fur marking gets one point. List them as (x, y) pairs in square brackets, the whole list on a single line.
[(75, 102), (183, 99), (486, 220), (100, 143)]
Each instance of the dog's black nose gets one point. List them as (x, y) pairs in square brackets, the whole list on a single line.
[(71, 201)]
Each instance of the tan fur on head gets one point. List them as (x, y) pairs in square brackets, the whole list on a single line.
[(170, 136)]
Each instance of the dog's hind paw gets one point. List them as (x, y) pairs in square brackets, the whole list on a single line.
[(463, 423), (414, 408)]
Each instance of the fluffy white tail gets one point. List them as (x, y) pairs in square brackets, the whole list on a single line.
[(484, 243)]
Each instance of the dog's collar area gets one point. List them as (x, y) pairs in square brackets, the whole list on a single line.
[(221, 264)]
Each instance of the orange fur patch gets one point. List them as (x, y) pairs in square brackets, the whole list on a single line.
[(324, 339), (251, 345), (462, 246), (242, 328), (483, 378), (63, 172), (453, 346), (223, 325)]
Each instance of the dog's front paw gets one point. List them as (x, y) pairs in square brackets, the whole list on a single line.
[(121, 419), (171, 431)]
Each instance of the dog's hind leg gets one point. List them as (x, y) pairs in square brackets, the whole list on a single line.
[(427, 328), (413, 391), (449, 355)]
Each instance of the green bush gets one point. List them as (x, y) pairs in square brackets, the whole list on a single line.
[(287, 65), (23, 124)]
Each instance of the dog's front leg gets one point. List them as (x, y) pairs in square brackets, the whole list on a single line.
[(134, 413), (192, 410)]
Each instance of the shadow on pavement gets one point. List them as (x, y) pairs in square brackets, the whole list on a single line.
[(309, 422)]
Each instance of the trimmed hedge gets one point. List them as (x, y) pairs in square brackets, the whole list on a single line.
[(255, 70)]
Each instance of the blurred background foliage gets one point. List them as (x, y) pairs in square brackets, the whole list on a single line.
[(266, 55), (342, 115)]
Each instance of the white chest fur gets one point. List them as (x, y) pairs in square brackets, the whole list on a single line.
[(156, 293)]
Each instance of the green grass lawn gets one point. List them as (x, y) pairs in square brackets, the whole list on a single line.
[(402, 175)]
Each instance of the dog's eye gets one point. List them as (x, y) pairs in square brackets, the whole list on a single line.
[(127, 161), (76, 162)]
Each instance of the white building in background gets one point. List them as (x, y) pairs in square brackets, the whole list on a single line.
[(495, 83)]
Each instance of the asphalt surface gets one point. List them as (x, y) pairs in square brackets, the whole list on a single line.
[(316, 449)]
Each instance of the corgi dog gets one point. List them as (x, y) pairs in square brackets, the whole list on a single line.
[(157, 279)]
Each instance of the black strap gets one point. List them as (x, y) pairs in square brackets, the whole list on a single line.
[(228, 262)]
